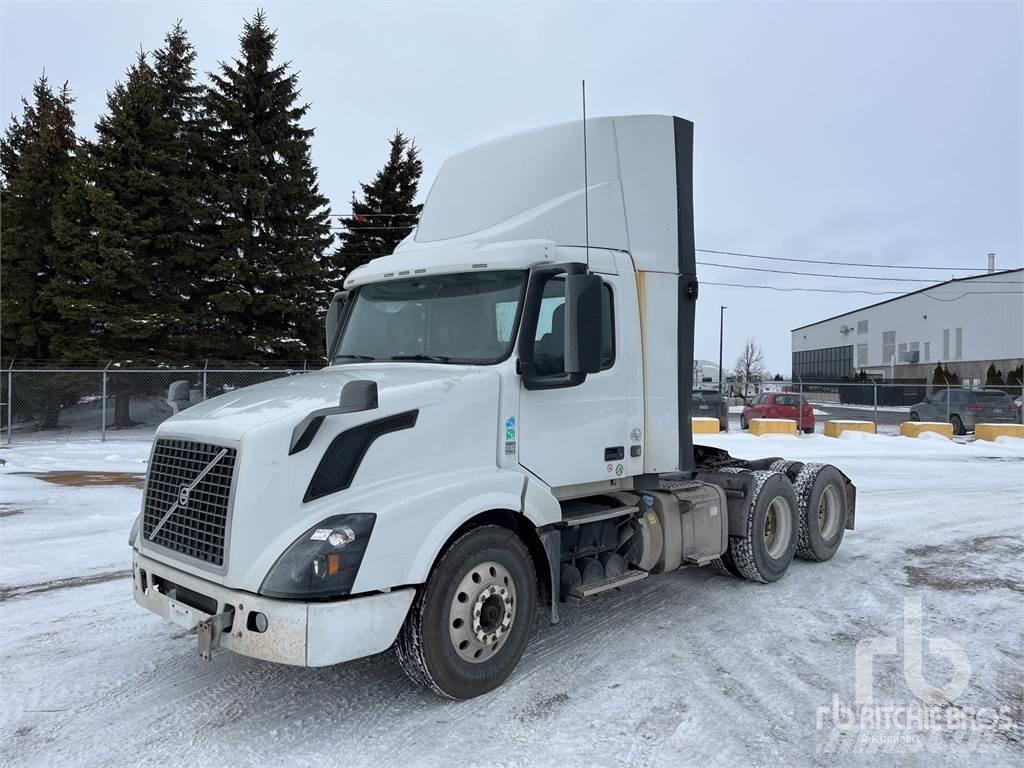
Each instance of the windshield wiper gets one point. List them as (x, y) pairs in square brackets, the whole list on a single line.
[(355, 357), (421, 356)]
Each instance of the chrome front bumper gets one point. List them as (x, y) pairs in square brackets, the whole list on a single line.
[(303, 634)]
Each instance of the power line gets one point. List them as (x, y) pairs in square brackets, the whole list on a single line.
[(853, 291), (931, 267), (842, 263), (846, 277)]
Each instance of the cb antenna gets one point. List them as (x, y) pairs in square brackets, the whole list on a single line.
[(586, 184)]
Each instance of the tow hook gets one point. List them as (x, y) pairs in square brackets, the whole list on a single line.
[(209, 632)]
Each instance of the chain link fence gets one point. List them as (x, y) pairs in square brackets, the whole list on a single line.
[(70, 404), (887, 404), (57, 405)]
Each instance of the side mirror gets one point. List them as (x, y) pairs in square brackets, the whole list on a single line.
[(583, 323), (333, 322), (356, 396)]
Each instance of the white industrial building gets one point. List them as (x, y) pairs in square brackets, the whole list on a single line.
[(705, 374), (965, 324)]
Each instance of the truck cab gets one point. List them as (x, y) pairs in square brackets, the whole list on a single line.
[(503, 423)]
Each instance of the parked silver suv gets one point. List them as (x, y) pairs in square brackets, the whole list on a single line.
[(963, 408)]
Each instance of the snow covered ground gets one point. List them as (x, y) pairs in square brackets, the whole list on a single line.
[(685, 668)]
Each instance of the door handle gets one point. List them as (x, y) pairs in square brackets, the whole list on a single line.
[(615, 453)]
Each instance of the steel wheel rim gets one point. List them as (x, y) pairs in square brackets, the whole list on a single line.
[(778, 527), (482, 612), (828, 513)]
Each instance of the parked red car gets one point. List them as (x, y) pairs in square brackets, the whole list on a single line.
[(779, 405)]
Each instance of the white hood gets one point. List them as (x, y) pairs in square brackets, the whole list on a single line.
[(457, 408), (233, 414)]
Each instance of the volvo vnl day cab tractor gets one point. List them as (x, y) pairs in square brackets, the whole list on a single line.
[(504, 424)]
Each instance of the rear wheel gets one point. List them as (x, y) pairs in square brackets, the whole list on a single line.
[(743, 423), (958, 425), (468, 626), (725, 566), (821, 494), (765, 548), (808, 430)]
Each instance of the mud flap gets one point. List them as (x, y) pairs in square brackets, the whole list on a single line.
[(851, 500), (551, 539)]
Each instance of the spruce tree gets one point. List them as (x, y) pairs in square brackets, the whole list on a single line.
[(267, 281), (993, 375), (118, 230), (190, 216), (35, 154), (387, 211)]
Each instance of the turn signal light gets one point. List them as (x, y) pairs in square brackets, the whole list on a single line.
[(333, 564)]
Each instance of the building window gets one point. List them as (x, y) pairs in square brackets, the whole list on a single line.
[(862, 327), (959, 343), (927, 351), (830, 364), (902, 354), (914, 352), (888, 346), (862, 355), (945, 344)]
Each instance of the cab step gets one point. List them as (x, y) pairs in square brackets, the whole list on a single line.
[(586, 590)]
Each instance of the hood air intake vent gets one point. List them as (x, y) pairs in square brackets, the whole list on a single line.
[(345, 453)]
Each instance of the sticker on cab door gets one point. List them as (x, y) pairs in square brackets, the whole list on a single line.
[(510, 436)]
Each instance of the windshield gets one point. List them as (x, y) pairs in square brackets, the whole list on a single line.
[(468, 317)]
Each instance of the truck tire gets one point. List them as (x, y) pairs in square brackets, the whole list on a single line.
[(724, 566), (468, 626), (765, 548), (821, 495), (789, 468)]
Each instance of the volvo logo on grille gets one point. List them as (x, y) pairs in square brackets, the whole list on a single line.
[(183, 493)]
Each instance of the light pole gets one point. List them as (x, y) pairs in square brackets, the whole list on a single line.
[(721, 328)]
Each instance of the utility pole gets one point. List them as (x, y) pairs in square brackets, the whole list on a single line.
[(721, 329)]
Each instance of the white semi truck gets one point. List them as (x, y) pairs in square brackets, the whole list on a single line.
[(504, 423)]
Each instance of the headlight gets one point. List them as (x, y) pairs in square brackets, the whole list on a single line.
[(135, 530), (323, 561)]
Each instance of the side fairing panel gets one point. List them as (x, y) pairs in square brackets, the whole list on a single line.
[(658, 297)]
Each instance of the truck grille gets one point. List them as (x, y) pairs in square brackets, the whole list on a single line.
[(197, 524)]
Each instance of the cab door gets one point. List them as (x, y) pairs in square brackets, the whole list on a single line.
[(571, 434)]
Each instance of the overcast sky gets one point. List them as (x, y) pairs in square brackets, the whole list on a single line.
[(863, 132)]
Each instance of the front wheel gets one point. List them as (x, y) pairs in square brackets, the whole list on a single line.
[(468, 626), (915, 416)]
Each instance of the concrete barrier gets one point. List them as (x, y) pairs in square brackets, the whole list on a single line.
[(772, 427), (703, 425), (992, 431), (915, 428), (836, 427)]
